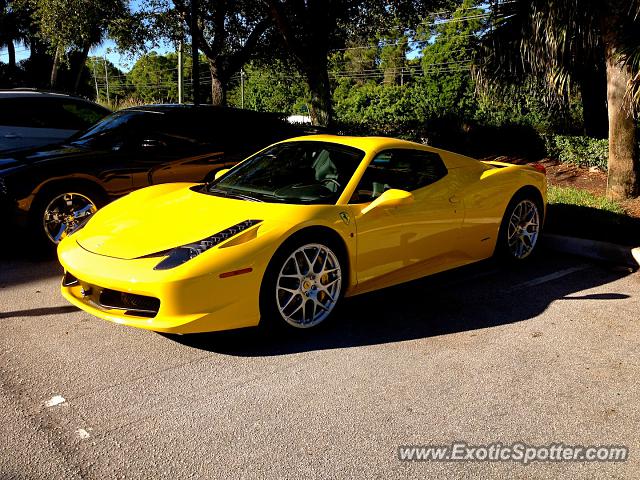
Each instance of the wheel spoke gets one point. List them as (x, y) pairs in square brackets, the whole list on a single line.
[(58, 236), (290, 290), (291, 298), (83, 212)]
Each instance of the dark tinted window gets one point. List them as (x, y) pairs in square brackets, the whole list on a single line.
[(120, 129), (293, 172), (46, 112), (402, 169), (83, 114)]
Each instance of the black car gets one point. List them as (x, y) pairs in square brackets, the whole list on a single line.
[(52, 189)]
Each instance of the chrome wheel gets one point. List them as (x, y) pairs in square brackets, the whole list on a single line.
[(64, 213), (308, 285), (523, 230)]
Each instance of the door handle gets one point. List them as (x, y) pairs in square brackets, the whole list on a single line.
[(11, 135), (454, 199)]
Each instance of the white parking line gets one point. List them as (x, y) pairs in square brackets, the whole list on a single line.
[(548, 278)]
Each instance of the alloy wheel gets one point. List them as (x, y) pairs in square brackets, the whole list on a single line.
[(523, 229), (308, 285), (64, 213)]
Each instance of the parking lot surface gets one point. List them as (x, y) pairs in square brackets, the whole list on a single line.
[(542, 354)]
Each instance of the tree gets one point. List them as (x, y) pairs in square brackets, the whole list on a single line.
[(228, 32), (105, 75), (72, 27), (447, 85), (554, 41), (155, 78), (13, 30), (310, 29), (273, 87)]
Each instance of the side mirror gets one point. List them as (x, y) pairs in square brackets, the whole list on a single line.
[(391, 198), (220, 173)]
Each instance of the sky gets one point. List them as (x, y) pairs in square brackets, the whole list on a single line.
[(107, 48)]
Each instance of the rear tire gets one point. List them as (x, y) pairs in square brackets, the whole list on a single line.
[(302, 285), (520, 230)]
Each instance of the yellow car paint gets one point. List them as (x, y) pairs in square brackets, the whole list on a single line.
[(452, 222)]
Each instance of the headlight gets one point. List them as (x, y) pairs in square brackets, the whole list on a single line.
[(183, 254)]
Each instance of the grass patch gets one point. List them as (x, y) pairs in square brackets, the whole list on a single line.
[(582, 198), (578, 213)]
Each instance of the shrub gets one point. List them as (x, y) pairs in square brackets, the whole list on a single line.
[(578, 150)]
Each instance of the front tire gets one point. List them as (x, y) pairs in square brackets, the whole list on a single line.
[(520, 229), (57, 212), (303, 285)]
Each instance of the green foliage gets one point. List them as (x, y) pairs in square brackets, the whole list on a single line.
[(74, 24), (376, 105), (411, 92), (272, 88), (581, 198), (578, 150), (104, 71), (155, 77)]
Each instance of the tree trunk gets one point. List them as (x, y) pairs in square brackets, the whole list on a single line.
[(321, 112), (593, 90), (82, 60), (218, 85), (55, 68), (11, 50), (623, 175)]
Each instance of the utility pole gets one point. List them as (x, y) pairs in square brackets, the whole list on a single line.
[(95, 79), (106, 77), (180, 71), (241, 88), (195, 69)]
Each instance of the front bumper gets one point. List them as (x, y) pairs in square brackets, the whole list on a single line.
[(130, 292), (10, 211)]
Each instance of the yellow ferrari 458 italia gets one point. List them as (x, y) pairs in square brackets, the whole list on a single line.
[(288, 232)]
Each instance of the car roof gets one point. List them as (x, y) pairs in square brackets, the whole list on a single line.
[(191, 108), (365, 143), (32, 93)]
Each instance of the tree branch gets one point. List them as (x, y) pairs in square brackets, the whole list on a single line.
[(239, 58), (283, 25)]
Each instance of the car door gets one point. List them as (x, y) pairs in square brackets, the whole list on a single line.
[(409, 238)]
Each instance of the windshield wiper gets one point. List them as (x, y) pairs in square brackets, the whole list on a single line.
[(230, 194)]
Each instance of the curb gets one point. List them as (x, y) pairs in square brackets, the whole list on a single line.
[(604, 251)]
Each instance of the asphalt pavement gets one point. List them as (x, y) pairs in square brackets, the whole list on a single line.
[(542, 354)]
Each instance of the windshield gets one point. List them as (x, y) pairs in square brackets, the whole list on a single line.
[(110, 131), (292, 172)]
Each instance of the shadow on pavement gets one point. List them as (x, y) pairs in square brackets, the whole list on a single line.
[(39, 312), (22, 261), (470, 298)]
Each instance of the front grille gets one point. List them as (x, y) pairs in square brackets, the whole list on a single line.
[(132, 304)]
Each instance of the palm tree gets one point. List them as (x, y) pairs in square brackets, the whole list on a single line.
[(567, 42), (12, 31)]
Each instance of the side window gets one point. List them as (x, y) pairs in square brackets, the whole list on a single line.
[(402, 169), (22, 112), (82, 115)]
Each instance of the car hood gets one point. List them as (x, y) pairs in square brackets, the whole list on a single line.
[(163, 217), (43, 154)]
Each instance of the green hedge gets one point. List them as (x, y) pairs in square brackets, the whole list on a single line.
[(578, 150)]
